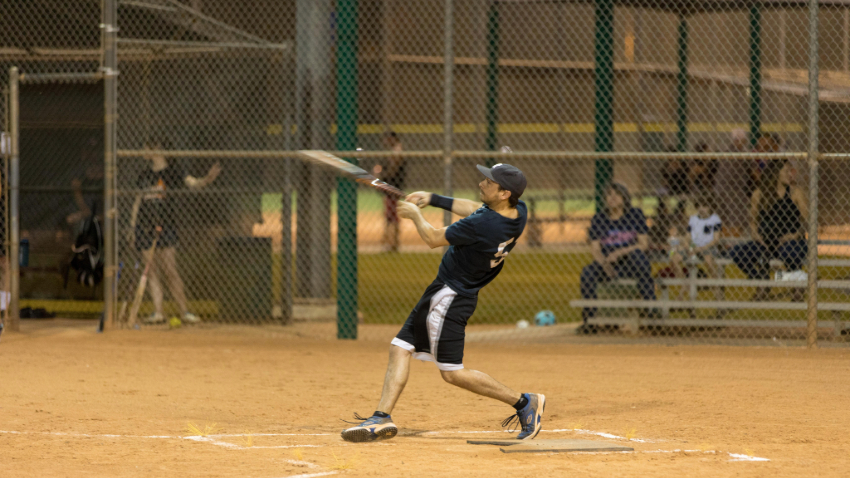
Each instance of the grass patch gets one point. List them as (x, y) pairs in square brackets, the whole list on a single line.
[(391, 285)]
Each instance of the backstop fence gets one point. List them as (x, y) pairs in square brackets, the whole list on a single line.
[(174, 125)]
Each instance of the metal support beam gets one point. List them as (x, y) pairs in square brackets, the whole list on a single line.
[(682, 86), (604, 87), (346, 65), (448, 105), (109, 69), (314, 114), (492, 78), (13, 316), (755, 72), (812, 310)]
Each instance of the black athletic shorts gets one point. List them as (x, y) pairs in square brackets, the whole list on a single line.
[(435, 330)]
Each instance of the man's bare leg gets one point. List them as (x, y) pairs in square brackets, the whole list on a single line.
[(398, 369), (380, 426), (482, 384), (529, 406)]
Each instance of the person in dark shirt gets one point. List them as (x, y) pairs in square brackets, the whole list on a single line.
[(778, 216), (703, 173), (154, 211), (434, 331), (618, 241), (394, 174)]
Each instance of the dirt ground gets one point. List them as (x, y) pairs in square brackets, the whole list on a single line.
[(264, 403)]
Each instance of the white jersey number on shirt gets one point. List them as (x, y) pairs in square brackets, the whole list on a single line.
[(501, 254)]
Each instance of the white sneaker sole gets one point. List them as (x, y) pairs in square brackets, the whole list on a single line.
[(362, 434)]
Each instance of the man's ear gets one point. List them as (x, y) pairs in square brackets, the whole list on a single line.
[(504, 194)]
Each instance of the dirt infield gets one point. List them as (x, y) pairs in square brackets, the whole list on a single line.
[(75, 403)]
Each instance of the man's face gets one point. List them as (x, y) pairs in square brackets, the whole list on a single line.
[(490, 192)]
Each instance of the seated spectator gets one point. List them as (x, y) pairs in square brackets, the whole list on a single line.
[(778, 213), (704, 229), (618, 239)]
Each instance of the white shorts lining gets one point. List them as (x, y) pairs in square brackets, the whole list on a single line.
[(426, 357)]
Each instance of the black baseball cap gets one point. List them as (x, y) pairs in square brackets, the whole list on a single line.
[(507, 176)]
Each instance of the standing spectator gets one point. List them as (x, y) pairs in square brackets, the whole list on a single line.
[(778, 213), (676, 177), (731, 185), (618, 241), (393, 174), (767, 143), (702, 173), (154, 209)]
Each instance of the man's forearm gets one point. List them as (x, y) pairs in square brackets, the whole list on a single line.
[(465, 207), (425, 229)]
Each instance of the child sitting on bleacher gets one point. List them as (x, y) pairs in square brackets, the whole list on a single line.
[(704, 229)]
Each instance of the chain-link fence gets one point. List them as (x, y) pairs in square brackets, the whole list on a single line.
[(701, 110)]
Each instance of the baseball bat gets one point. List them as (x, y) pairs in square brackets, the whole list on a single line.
[(358, 174), (143, 282)]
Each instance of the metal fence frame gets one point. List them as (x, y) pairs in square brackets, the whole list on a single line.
[(603, 155)]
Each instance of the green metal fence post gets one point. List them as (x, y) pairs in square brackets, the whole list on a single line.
[(755, 72), (604, 86), (682, 86), (346, 138), (492, 78)]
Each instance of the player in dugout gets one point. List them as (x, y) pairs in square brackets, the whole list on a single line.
[(434, 331)]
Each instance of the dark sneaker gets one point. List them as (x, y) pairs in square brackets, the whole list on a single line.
[(530, 418), (371, 429)]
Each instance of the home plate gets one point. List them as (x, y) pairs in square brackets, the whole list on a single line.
[(551, 446)]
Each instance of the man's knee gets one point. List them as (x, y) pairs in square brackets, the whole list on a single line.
[(450, 376), (401, 352)]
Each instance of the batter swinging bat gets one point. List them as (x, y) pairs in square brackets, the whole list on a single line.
[(143, 282), (349, 170)]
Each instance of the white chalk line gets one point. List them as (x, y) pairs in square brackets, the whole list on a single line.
[(563, 430), (211, 439), (311, 475), (735, 456), (738, 457), (233, 446)]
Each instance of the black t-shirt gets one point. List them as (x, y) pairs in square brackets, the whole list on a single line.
[(623, 232), (398, 176), (156, 208), (479, 244)]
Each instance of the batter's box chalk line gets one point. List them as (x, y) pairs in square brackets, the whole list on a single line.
[(214, 440), (735, 456), (311, 475), (564, 430)]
